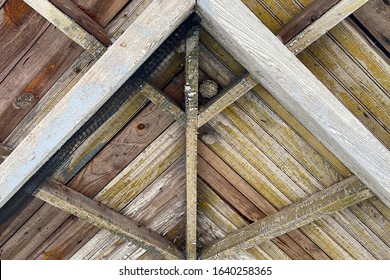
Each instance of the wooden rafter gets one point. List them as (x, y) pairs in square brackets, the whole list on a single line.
[(299, 91), (78, 15), (308, 15), (164, 102), (320, 26), (191, 100), (330, 200), (94, 212), (68, 26), (121, 60), (229, 94), (103, 217)]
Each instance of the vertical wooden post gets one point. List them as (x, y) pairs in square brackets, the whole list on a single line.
[(191, 99)]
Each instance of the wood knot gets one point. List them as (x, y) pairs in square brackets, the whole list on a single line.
[(123, 44), (23, 101), (141, 126), (208, 89)]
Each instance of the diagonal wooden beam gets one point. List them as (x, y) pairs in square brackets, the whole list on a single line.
[(226, 97), (299, 91), (330, 200), (324, 23), (68, 26), (103, 217), (81, 18), (164, 102), (117, 64), (306, 17), (191, 101)]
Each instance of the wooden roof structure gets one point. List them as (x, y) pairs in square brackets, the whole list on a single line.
[(113, 145)]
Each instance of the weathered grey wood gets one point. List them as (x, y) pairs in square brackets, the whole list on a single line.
[(103, 217), (330, 200), (97, 85), (191, 101), (299, 91), (319, 27), (164, 102), (68, 26), (229, 94)]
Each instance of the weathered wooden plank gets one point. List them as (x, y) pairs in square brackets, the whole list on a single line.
[(125, 58), (73, 74), (114, 157), (222, 216), (264, 205), (146, 207), (374, 15), (101, 11), (68, 26), (20, 28), (330, 200), (227, 96), (319, 27), (87, 209), (191, 111), (81, 18), (164, 102), (308, 15), (298, 90)]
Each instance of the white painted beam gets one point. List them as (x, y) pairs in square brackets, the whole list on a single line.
[(117, 64), (299, 91)]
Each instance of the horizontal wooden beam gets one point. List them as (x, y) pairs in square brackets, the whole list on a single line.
[(320, 26), (117, 64), (81, 18), (299, 91), (330, 200), (164, 102), (226, 97), (103, 217), (68, 26)]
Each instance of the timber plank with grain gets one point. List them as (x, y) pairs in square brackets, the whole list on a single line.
[(71, 76), (68, 26), (375, 17), (127, 145), (80, 17), (92, 211), (146, 119), (337, 197), (20, 28), (327, 243), (142, 176), (294, 85), (145, 208), (43, 141), (39, 73)]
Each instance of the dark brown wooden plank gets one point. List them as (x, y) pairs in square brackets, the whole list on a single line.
[(375, 16), (304, 19), (79, 16), (33, 76), (20, 28), (101, 11)]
